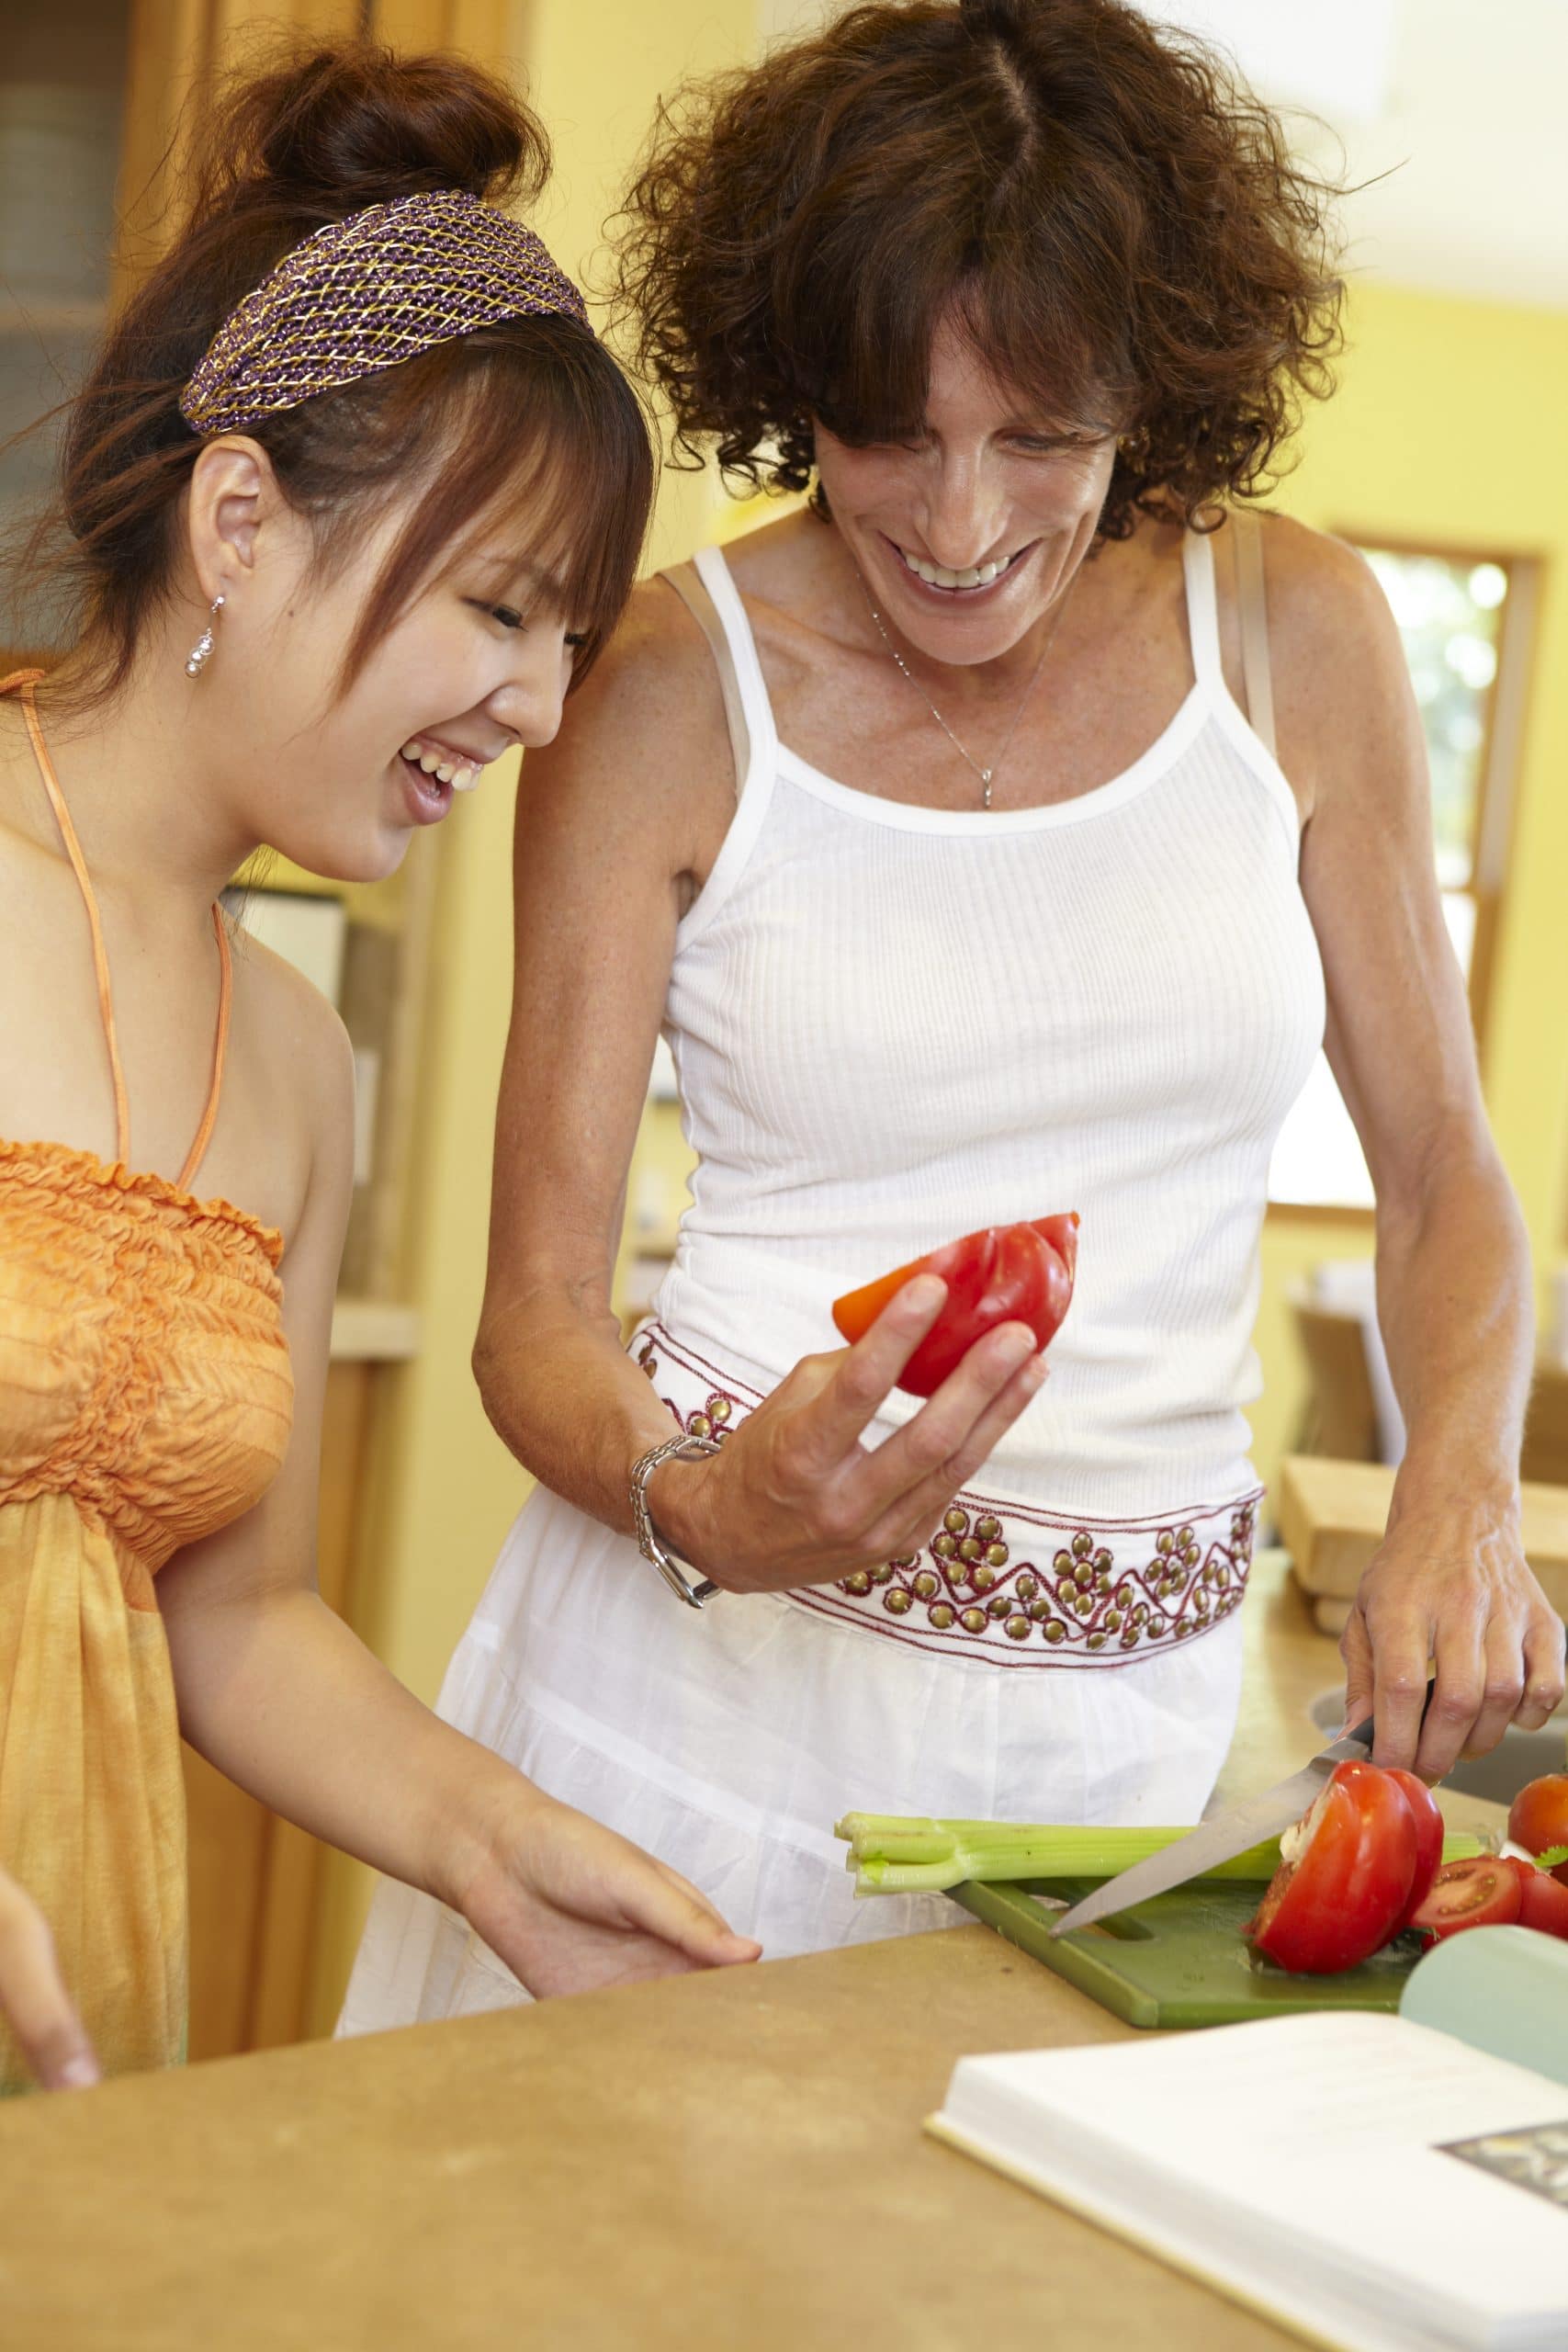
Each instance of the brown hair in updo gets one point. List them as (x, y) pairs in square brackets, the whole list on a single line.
[(1121, 226), (533, 412)]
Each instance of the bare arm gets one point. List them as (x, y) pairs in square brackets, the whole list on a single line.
[(280, 1694), (615, 824), (1454, 1288), (609, 833)]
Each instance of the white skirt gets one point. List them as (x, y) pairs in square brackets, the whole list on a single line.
[(729, 1742)]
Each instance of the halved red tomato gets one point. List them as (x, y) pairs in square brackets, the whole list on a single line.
[(1341, 1889), (1007, 1273), (1544, 1903), (1426, 1814), (1483, 1891)]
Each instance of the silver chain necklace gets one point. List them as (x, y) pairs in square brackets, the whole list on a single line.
[(986, 773)]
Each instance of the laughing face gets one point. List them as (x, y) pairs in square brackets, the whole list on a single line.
[(968, 533), (476, 661)]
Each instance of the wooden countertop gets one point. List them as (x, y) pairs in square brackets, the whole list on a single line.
[(723, 2161)]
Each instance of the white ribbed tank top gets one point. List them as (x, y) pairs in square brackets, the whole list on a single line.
[(895, 1024)]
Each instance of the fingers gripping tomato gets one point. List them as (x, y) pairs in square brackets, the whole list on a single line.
[(1007, 1273), (1341, 1890)]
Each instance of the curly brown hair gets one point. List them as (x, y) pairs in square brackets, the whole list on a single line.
[(1120, 223)]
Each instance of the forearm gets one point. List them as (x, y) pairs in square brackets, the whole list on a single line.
[(282, 1697), (1455, 1306), (566, 1399)]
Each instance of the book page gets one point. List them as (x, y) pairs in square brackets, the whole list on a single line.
[(1326, 2131)]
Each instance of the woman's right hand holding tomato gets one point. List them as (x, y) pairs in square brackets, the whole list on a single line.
[(33, 1998), (794, 1497)]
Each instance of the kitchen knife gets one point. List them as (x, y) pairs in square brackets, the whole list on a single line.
[(1214, 1842)]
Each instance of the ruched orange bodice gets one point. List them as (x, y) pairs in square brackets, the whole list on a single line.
[(145, 1397)]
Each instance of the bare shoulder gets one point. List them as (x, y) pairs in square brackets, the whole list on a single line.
[(296, 1038), (638, 786), (1325, 603), (651, 704), (1348, 735)]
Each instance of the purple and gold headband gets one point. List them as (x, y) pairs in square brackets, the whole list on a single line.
[(365, 292)]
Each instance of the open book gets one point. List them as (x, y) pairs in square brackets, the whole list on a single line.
[(1374, 2184)]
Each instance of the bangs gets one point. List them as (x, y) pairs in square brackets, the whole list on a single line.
[(1036, 300), (528, 431)]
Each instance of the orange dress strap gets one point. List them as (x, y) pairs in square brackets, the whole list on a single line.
[(25, 682), (198, 1152)]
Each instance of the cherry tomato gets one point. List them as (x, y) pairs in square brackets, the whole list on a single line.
[(1544, 1903), (1007, 1274), (1484, 1892), (1539, 1817), (1343, 1889), (1428, 1820)]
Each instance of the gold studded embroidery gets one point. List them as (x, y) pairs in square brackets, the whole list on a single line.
[(972, 1582), (1081, 1602)]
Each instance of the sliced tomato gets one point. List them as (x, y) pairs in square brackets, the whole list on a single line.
[(1342, 1890), (1007, 1273), (1426, 1814), (1483, 1891)]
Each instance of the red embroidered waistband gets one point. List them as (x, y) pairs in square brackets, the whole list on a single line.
[(1018, 1583)]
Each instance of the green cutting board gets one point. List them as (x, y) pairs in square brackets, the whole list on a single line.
[(1181, 1959)]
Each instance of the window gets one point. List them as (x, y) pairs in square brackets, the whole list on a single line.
[(1465, 622)]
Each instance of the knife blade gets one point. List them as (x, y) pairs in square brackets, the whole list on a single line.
[(1214, 1842)]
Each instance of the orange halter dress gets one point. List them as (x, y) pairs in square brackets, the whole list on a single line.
[(145, 1399)]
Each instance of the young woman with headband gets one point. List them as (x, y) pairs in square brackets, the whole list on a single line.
[(941, 828), (351, 495)]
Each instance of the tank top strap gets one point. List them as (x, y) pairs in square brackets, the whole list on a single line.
[(1203, 610), (714, 572), (26, 681), (689, 585)]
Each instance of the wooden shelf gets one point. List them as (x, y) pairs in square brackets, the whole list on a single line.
[(374, 1330)]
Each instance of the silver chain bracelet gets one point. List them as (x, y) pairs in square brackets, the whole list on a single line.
[(691, 1589)]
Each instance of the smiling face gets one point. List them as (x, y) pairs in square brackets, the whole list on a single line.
[(339, 777), (967, 534)]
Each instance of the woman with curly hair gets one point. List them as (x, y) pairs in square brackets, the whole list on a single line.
[(982, 853)]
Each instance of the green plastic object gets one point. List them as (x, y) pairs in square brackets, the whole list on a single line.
[(1180, 1959), (1504, 1990)]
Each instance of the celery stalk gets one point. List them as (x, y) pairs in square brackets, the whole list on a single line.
[(898, 1854)]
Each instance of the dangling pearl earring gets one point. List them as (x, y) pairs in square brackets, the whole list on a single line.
[(200, 653)]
